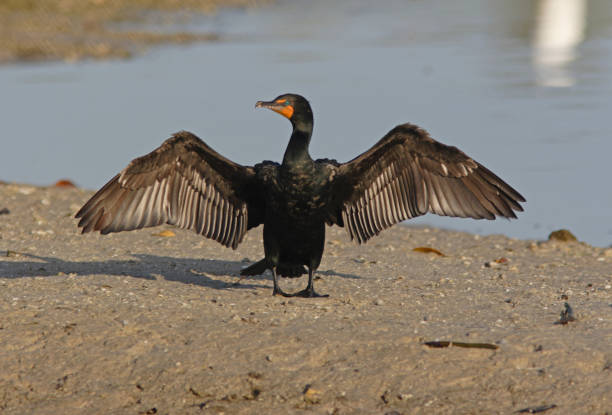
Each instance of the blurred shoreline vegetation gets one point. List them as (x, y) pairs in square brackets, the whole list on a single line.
[(72, 30)]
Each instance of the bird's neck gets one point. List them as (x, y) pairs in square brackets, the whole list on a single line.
[(297, 150)]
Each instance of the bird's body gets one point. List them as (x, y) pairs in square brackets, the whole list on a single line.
[(294, 226), (297, 200), (406, 174)]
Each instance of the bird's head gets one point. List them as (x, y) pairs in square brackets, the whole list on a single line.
[(292, 106)]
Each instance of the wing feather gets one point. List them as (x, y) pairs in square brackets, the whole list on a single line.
[(407, 174), (183, 182)]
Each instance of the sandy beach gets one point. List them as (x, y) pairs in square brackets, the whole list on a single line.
[(140, 323), (73, 30), (418, 321)]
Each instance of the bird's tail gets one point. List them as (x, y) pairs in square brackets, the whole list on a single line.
[(255, 269), (284, 270)]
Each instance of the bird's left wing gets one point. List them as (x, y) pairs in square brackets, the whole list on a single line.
[(407, 174), (183, 182)]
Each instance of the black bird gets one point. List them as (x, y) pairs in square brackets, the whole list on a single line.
[(406, 174)]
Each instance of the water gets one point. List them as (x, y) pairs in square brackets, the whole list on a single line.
[(523, 87)]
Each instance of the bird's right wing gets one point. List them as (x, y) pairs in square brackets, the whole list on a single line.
[(183, 182)]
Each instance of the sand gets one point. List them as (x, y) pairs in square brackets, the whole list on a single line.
[(138, 323), (72, 30)]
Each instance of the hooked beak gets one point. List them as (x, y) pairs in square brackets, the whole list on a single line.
[(281, 107)]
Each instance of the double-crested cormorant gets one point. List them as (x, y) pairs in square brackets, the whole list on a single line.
[(406, 174)]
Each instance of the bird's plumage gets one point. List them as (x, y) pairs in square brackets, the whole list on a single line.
[(406, 174), (184, 183)]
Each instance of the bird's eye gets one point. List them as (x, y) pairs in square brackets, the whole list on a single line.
[(283, 101)]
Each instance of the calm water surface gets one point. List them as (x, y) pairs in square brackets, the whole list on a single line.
[(525, 87)]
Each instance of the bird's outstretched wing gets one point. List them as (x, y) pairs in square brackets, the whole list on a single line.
[(184, 183), (407, 174)]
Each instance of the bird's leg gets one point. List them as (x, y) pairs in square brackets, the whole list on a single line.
[(309, 291), (277, 290)]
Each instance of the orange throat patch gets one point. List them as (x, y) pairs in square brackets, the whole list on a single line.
[(286, 111)]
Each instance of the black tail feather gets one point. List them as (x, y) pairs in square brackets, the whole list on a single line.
[(284, 270)]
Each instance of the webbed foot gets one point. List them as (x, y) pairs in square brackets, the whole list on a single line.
[(306, 293), (278, 291)]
